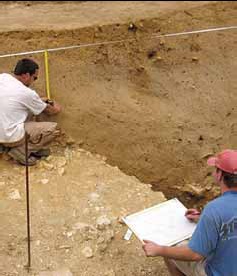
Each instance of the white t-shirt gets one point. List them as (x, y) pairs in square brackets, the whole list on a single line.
[(17, 101)]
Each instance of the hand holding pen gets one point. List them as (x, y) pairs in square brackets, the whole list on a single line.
[(192, 215)]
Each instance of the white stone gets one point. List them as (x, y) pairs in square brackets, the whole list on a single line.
[(194, 189), (15, 195), (47, 166), (87, 252), (69, 234), (61, 171), (44, 181), (61, 162), (38, 242), (94, 197), (102, 222), (82, 226), (110, 273)]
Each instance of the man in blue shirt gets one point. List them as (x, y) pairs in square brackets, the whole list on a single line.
[(212, 250)]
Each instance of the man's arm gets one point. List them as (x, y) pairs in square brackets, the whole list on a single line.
[(182, 253)]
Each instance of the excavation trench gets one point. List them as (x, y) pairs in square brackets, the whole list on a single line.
[(156, 108)]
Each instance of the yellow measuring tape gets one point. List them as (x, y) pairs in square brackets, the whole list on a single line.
[(46, 64)]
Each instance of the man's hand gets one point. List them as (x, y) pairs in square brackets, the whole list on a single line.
[(52, 108), (182, 253), (152, 249), (192, 215)]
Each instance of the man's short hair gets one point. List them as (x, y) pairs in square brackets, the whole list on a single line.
[(229, 179), (25, 66)]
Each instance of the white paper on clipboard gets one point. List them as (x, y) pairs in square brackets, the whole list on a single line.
[(164, 224)]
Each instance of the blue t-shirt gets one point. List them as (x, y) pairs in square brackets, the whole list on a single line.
[(216, 236)]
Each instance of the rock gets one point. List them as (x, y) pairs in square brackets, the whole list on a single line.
[(132, 27), (61, 171), (194, 189), (44, 181), (80, 142), (89, 154), (140, 68), (208, 188), (68, 154), (208, 183), (49, 159), (216, 191), (110, 273), (195, 59), (93, 197), (104, 158), (87, 252), (47, 166), (206, 154), (15, 195), (38, 242), (64, 247), (102, 247), (70, 141), (86, 231), (100, 240), (81, 226), (109, 235), (162, 41), (69, 234), (61, 162), (102, 222)]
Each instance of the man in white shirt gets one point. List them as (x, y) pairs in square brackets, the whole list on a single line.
[(17, 103)]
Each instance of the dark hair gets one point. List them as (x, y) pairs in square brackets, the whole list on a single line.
[(24, 66), (229, 179)]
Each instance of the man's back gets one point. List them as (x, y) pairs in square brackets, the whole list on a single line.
[(216, 235), (16, 100)]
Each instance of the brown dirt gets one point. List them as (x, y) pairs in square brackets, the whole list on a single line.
[(156, 108), (77, 202)]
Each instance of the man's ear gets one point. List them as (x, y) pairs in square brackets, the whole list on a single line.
[(219, 175), (25, 76)]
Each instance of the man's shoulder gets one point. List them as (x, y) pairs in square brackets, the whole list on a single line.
[(6, 76), (10, 82), (214, 205)]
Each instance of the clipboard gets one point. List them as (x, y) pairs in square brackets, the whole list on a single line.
[(164, 223)]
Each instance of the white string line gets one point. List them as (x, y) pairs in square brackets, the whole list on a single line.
[(117, 41), (199, 31)]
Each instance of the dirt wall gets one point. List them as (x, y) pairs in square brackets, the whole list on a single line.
[(155, 107)]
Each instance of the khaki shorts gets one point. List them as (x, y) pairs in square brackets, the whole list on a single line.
[(190, 268), (40, 134)]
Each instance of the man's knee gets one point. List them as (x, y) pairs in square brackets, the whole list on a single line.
[(39, 127), (172, 267)]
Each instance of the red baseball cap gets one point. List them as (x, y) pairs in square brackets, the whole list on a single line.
[(225, 161)]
